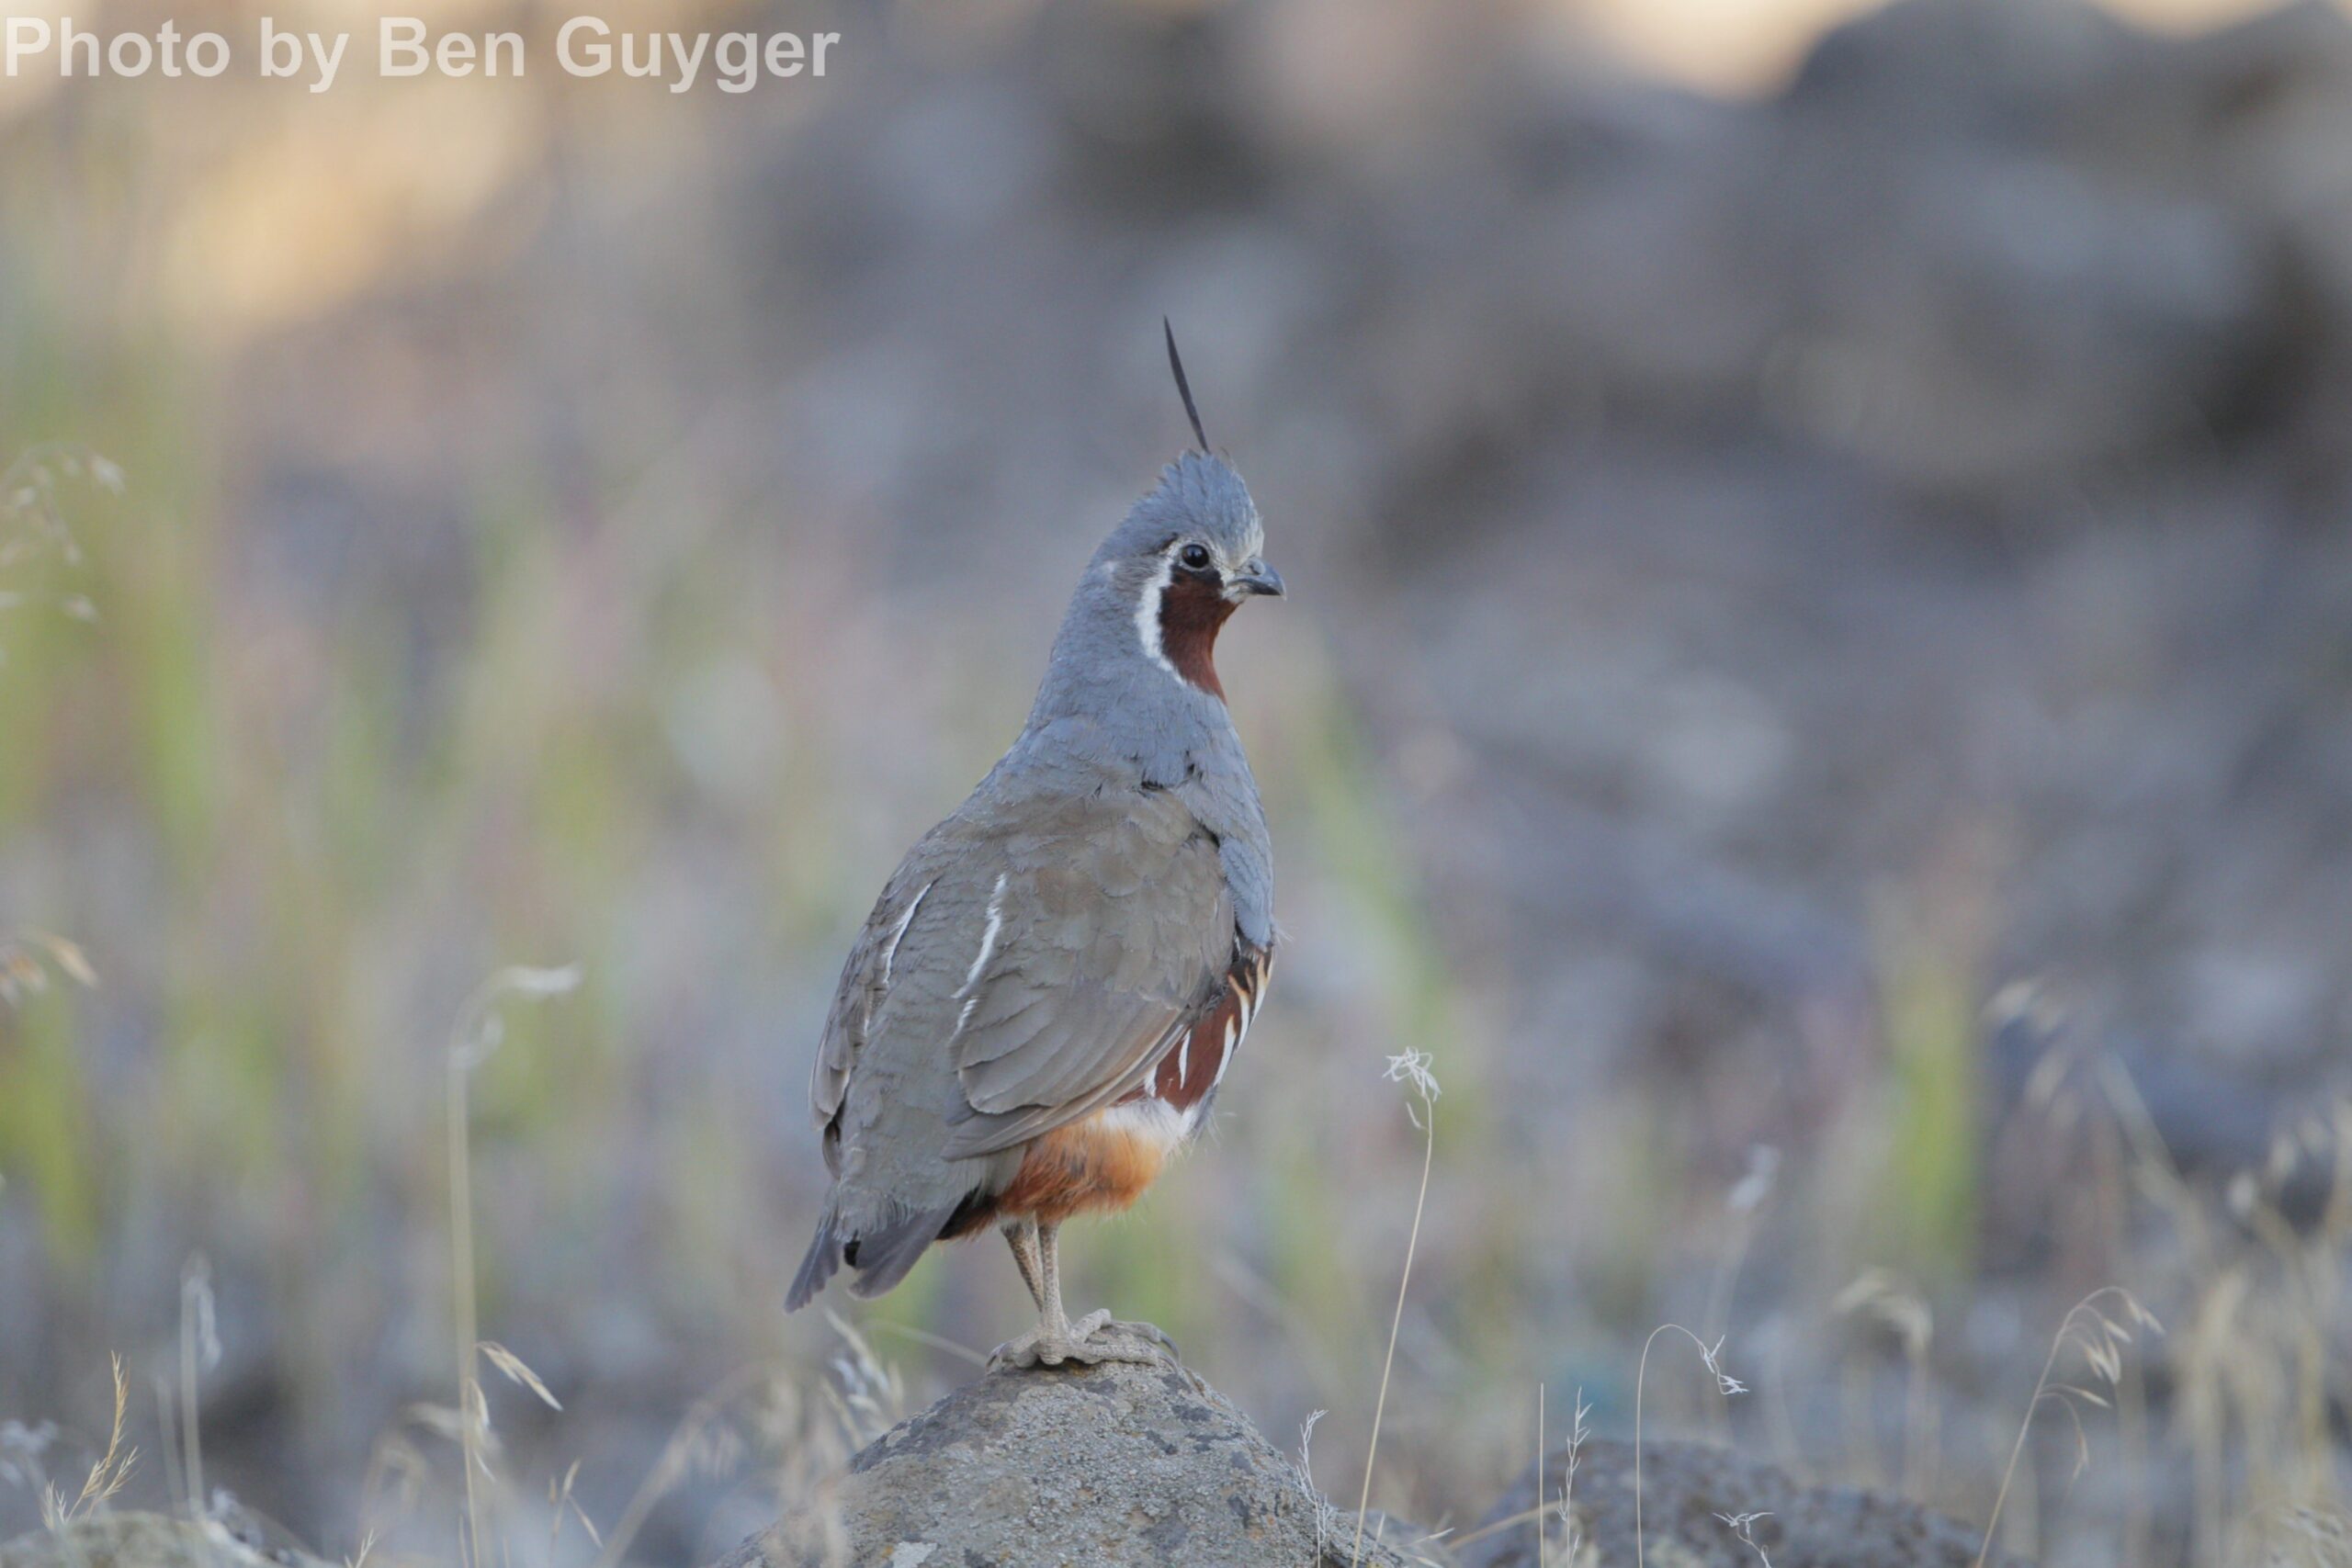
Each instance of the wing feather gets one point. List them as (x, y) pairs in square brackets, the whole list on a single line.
[(1125, 928), (866, 983), (1046, 956)]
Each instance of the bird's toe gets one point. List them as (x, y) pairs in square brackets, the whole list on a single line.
[(1015, 1354), (1091, 1340), (1039, 1349), (1101, 1337), (1149, 1331), (1109, 1348)]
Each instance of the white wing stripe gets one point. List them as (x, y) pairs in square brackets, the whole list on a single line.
[(897, 932), (1235, 1029), (988, 942)]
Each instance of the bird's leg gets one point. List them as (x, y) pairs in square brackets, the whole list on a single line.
[(1022, 1235), (1057, 1324), (1099, 1324), (1056, 1338), (1097, 1333)]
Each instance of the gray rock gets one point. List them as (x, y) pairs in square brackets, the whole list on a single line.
[(146, 1540), (1687, 1489), (1116, 1466), (1126, 1466)]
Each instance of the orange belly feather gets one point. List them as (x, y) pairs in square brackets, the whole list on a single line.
[(1104, 1162)]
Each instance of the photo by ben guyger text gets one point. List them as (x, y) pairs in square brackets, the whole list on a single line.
[(583, 46)]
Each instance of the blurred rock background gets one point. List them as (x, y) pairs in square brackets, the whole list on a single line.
[(1819, 686)]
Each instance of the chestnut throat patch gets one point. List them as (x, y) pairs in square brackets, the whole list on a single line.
[(1193, 609)]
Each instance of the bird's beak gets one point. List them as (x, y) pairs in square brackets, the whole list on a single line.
[(1254, 577)]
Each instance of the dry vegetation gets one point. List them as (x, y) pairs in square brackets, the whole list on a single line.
[(2254, 1394)]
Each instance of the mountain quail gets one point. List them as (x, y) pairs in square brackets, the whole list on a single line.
[(1043, 1003)]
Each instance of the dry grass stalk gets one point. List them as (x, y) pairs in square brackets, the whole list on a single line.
[(478, 1032), (1878, 1294), (26, 958), (106, 1474), (1726, 1385), (1325, 1514), (868, 1395), (1744, 1527), (517, 1373), (32, 520), (2101, 1341), (1743, 1213), (702, 1442), (1572, 1532), (200, 1352), (1412, 1069)]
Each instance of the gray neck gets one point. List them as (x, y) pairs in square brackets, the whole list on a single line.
[(1108, 699), (1113, 712)]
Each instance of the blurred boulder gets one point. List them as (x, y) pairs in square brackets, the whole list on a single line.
[(1946, 72), (1971, 248), (148, 1540), (1118, 1466), (1707, 1508), (1979, 292)]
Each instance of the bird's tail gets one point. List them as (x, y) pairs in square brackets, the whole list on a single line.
[(824, 1257), (881, 1255)]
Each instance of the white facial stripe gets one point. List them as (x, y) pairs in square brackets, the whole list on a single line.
[(1148, 613), (988, 944)]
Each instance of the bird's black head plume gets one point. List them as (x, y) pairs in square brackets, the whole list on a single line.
[(1183, 388)]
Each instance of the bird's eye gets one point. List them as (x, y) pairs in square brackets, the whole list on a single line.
[(1195, 557)]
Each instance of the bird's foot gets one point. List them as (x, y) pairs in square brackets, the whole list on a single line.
[(1148, 1333), (1092, 1339)]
